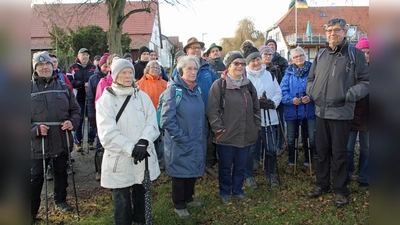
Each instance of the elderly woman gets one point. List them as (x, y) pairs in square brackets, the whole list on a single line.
[(269, 94), (234, 115), (153, 85), (126, 141), (186, 131), (299, 108)]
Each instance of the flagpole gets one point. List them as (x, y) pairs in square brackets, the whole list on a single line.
[(295, 20)]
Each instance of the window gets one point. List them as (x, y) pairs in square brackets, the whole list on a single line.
[(322, 14), (278, 37)]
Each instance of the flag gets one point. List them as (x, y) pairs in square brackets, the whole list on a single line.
[(301, 4)]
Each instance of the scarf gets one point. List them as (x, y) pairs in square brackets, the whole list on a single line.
[(254, 73), (302, 71)]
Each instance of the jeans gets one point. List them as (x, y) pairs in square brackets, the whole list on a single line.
[(331, 138), (254, 156), (78, 133), (280, 143), (293, 133), (37, 179), (231, 169), (123, 213), (363, 164)]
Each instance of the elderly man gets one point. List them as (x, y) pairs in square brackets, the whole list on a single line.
[(335, 85), (214, 54), (54, 114), (80, 72)]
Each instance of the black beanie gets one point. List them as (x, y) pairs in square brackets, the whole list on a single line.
[(271, 40), (249, 51), (143, 49), (128, 55)]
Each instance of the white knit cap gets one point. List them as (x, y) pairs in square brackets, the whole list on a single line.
[(119, 64)]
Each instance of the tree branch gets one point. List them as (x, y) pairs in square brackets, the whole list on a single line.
[(122, 20)]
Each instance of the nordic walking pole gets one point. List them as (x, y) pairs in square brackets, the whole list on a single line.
[(45, 180), (73, 176), (308, 137), (283, 132), (296, 141), (87, 130)]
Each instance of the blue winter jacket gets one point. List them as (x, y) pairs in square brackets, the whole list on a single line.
[(205, 78), (185, 129), (290, 85)]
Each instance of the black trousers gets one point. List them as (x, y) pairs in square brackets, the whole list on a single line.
[(182, 191), (331, 137), (123, 212), (37, 179)]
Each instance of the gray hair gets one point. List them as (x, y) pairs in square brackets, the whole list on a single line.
[(297, 49), (334, 21), (183, 60), (149, 64)]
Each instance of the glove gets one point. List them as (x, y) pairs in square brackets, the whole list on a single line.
[(266, 103), (140, 150), (92, 121)]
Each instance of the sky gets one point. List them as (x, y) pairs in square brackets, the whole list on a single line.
[(211, 20)]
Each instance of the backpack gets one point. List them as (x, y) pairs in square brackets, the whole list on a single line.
[(178, 98)]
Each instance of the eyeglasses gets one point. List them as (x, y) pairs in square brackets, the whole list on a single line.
[(336, 30), (155, 68), (195, 47), (298, 56), (268, 54), (239, 63), (190, 69)]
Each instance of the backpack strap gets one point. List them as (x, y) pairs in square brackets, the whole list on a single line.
[(222, 96), (123, 107)]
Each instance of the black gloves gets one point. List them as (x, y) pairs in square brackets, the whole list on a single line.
[(92, 121), (140, 150), (266, 103)]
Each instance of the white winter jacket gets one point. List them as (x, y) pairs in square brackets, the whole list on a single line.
[(263, 81), (138, 121)]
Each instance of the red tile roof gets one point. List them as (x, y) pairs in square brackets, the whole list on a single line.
[(139, 25)]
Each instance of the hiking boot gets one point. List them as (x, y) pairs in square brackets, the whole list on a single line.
[(78, 148), (182, 213), (63, 207), (316, 192), (91, 145), (251, 183), (98, 176), (340, 200), (280, 151), (226, 200), (290, 169), (49, 174), (273, 180), (194, 203), (242, 197)]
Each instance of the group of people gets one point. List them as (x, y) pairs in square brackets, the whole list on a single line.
[(229, 110)]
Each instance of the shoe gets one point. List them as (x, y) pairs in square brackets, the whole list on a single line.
[(182, 213), (256, 165), (194, 203), (290, 169), (91, 145), (306, 164), (242, 197), (69, 170), (49, 174), (63, 207), (307, 171), (279, 151), (98, 176), (340, 200), (226, 200), (78, 148), (316, 192), (251, 183), (162, 165), (273, 180)]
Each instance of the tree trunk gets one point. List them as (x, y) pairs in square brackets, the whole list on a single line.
[(115, 13)]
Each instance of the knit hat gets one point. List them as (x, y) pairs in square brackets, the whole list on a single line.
[(363, 43), (271, 40), (179, 54), (193, 40), (97, 57), (213, 45), (41, 57), (128, 55), (143, 49), (250, 52), (103, 59), (119, 64), (230, 56), (265, 48)]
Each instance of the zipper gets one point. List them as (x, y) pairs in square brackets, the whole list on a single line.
[(245, 99)]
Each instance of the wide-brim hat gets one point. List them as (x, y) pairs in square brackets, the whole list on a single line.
[(193, 40), (213, 45)]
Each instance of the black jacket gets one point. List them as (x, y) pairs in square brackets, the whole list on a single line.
[(281, 62), (80, 77), (139, 68), (58, 105), (91, 95)]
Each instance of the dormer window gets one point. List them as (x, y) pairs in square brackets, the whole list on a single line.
[(322, 14)]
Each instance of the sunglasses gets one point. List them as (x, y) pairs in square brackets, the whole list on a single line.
[(239, 63)]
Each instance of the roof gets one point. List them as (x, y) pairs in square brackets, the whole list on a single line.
[(354, 15), (139, 25)]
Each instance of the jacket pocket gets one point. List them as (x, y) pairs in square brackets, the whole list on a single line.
[(37, 104), (115, 164)]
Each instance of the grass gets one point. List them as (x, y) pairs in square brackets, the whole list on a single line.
[(289, 205)]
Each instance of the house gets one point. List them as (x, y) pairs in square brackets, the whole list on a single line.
[(290, 31), (143, 28), (170, 46)]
